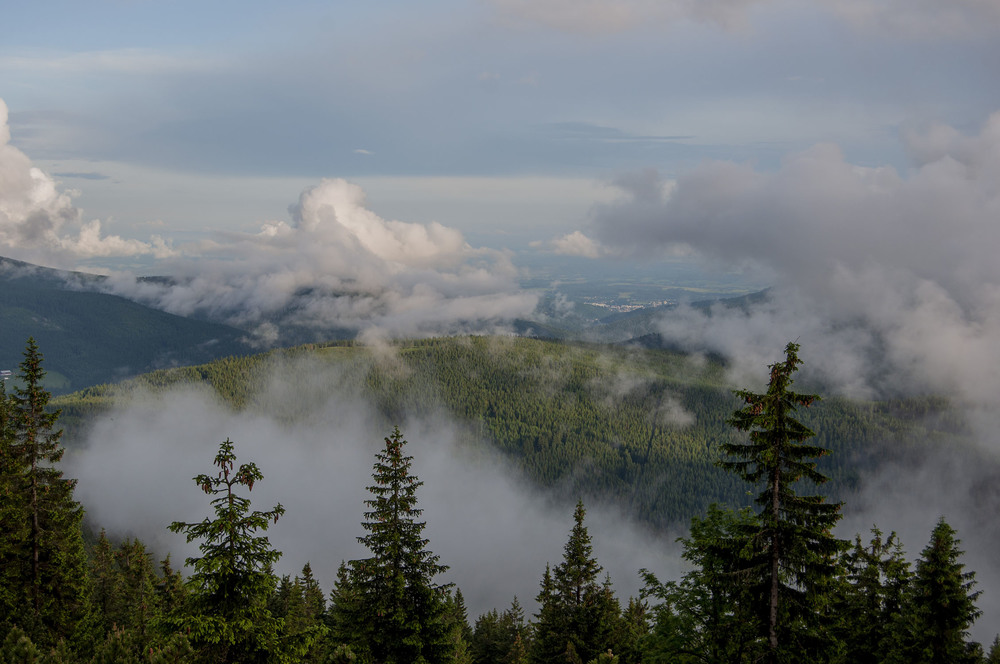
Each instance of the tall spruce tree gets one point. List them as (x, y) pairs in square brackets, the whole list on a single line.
[(789, 554), (45, 580), (387, 608)]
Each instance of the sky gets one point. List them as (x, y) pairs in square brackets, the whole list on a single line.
[(505, 119), (390, 167), (401, 156)]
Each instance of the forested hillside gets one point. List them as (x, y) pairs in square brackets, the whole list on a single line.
[(638, 427)]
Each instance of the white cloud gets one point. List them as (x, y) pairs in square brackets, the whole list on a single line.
[(338, 265), (39, 222), (479, 515)]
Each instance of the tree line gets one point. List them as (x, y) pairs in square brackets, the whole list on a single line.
[(768, 583)]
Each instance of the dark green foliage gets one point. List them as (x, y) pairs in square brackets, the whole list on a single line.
[(45, 584), (708, 616), (457, 625), (387, 608), (788, 556), (633, 630), (993, 656), (501, 638), (943, 603), (300, 604), (17, 648), (578, 617), (128, 609), (232, 580), (873, 590)]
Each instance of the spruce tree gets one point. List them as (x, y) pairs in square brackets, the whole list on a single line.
[(789, 554), (943, 603), (501, 638), (387, 608), (45, 563), (708, 616), (578, 618), (870, 602)]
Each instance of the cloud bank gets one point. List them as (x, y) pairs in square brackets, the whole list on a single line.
[(888, 280)]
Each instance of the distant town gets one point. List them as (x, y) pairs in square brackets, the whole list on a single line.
[(625, 308)]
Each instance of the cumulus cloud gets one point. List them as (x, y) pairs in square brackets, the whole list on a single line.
[(888, 280), (38, 222), (336, 265), (873, 268)]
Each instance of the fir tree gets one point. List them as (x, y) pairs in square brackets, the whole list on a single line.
[(790, 550), (387, 607)]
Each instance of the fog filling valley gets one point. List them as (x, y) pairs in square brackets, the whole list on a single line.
[(494, 531)]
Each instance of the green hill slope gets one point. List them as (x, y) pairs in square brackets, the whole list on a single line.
[(90, 337), (638, 427)]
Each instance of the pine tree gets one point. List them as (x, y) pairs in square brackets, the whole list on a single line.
[(791, 549), (45, 577), (387, 607), (232, 578), (943, 603)]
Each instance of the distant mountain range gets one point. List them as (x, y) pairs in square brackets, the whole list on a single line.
[(89, 337)]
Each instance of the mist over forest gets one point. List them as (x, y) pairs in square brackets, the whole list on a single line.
[(550, 241)]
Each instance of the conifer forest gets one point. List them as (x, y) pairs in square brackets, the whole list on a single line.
[(759, 478)]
